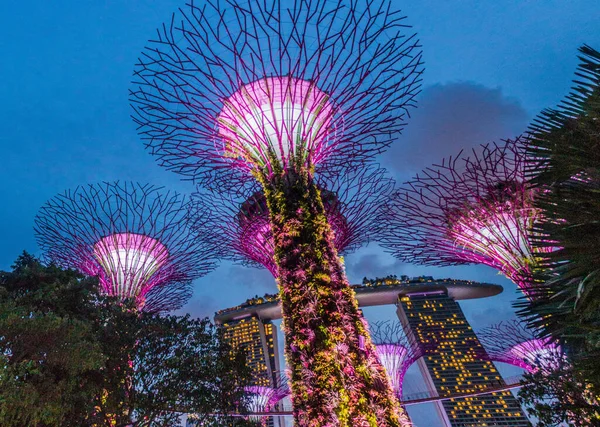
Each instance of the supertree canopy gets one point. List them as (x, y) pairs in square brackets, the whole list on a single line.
[(262, 399), (396, 351), (238, 226), (513, 343), (133, 237), (280, 92), (468, 210), (263, 86)]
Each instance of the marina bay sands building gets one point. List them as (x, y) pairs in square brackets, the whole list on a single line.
[(430, 314), (456, 367)]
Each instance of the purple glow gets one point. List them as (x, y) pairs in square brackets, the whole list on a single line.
[(536, 352), (134, 238), (256, 239), (307, 80), (263, 399), (396, 361), (395, 351), (278, 118), (238, 226), (128, 263), (476, 209), (497, 236), (513, 343)]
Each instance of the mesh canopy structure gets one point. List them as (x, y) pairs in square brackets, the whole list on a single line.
[(134, 238), (475, 209), (513, 343), (396, 351), (264, 398), (285, 93), (238, 226), (263, 85)]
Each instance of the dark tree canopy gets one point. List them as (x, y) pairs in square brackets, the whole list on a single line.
[(558, 395), (71, 356), (565, 144)]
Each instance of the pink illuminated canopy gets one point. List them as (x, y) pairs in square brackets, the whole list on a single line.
[(535, 353), (128, 262), (262, 398), (275, 119)]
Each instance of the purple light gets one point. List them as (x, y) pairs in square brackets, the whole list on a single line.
[(263, 399), (129, 262), (394, 358), (533, 353), (468, 210), (134, 238), (238, 227), (395, 351), (513, 343), (256, 239), (275, 118), (238, 80)]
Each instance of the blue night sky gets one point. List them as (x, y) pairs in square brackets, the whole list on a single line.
[(66, 67)]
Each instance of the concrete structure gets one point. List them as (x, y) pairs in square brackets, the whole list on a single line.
[(456, 367)]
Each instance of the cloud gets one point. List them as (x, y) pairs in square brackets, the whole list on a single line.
[(451, 117), (371, 265)]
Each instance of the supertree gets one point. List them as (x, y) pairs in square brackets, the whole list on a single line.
[(513, 343), (238, 226), (133, 237), (396, 351), (476, 209), (262, 399), (278, 92)]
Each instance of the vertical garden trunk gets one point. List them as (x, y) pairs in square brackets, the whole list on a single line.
[(336, 377)]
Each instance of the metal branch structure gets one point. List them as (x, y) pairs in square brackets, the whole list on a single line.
[(262, 399), (270, 84), (281, 92), (134, 238), (396, 351), (476, 209), (513, 343), (238, 226)]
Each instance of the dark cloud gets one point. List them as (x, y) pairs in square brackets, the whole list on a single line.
[(371, 265), (451, 117)]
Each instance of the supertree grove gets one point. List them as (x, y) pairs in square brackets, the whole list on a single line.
[(476, 209), (396, 351), (133, 237), (513, 343), (280, 92), (239, 227)]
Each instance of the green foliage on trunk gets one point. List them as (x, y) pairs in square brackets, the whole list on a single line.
[(336, 378)]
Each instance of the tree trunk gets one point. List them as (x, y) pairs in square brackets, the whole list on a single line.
[(336, 377)]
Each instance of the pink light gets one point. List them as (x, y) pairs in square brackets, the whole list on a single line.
[(129, 262), (535, 353), (396, 361), (496, 233), (282, 117), (256, 239), (262, 399)]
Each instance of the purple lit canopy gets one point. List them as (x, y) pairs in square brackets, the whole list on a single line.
[(513, 343), (264, 85), (474, 209), (133, 237), (396, 351), (239, 229)]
